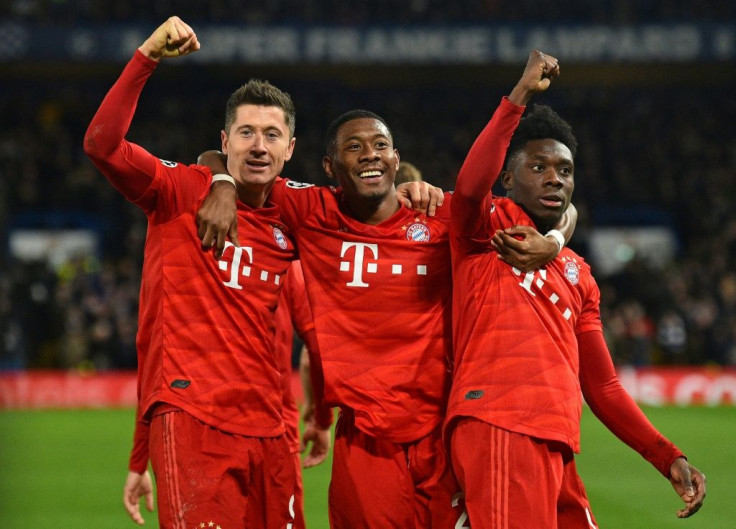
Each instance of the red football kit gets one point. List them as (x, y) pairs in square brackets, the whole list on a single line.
[(380, 298), (205, 341), (293, 313), (525, 345)]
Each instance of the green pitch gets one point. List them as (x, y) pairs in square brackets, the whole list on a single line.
[(65, 469)]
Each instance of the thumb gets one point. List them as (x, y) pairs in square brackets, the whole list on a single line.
[(687, 482), (149, 501)]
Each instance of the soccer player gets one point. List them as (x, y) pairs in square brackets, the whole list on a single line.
[(526, 344), (293, 313), (208, 380), (378, 278)]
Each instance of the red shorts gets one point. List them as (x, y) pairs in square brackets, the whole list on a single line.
[(206, 476), (380, 484), (297, 506), (513, 481)]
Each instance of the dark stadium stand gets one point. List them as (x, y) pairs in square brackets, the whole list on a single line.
[(658, 147)]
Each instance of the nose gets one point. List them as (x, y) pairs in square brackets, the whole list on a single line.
[(258, 144), (552, 178), (369, 153)]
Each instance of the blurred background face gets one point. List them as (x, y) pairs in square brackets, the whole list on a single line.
[(364, 161), (257, 144)]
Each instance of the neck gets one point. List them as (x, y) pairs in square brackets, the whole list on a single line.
[(369, 212), (254, 196)]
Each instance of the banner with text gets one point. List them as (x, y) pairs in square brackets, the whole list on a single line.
[(462, 44), (652, 386)]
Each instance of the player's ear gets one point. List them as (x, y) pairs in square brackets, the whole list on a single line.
[(507, 179), (327, 166), (223, 139), (290, 149)]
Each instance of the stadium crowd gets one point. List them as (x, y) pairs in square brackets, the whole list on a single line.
[(666, 151), (375, 12)]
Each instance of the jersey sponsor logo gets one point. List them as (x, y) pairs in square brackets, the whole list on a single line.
[(537, 280), (365, 261), (418, 233), (474, 394), (572, 271), (279, 237), (168, 163), (180, 383), (298, 185), (240, 263)]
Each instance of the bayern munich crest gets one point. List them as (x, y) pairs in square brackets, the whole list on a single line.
[(418, 233), (278, 236), (572, 272)]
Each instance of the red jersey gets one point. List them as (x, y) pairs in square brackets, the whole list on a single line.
[(293, 313), (516, 349), (206, 326), (380, 297)]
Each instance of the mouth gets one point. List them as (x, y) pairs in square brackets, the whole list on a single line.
[(257, 165), (552, 201), (370, 174)]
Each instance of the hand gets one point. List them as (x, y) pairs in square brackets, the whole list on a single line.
[(320, 439), (137, 485), (171, 39), (524, 248), (420, 196), (537, 77), (689, 483), (217, 218)]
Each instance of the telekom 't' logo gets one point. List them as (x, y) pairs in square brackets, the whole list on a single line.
[(235, 269), (358, 259)]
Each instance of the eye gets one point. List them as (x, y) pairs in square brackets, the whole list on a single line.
[(537, 168), (567, 171), (382, 144), (273, 136), (246, 133)]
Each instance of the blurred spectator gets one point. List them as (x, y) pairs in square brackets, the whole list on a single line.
[(407, 173)]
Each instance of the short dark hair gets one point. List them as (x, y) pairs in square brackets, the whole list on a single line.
[(258, 92), (331, 134), (541, 123)]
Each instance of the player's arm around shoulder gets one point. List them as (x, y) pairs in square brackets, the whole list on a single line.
[(420, 196)]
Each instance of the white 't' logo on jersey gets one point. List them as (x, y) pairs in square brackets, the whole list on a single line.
[(358, 259)]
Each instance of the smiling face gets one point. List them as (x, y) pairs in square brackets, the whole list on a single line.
[(257, 146), (364, 162), (540, 178)]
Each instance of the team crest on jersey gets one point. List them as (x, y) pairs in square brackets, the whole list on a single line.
[(297, 185), (417, 232), (279, 237), (572, 272), (168, 163)]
